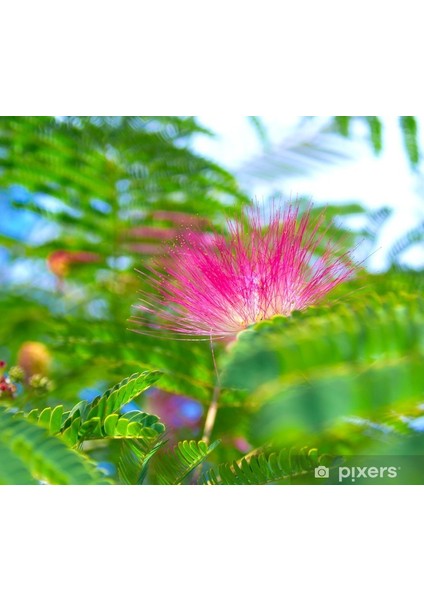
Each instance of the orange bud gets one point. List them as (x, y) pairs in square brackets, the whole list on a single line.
[(60, 261), (34, 358)]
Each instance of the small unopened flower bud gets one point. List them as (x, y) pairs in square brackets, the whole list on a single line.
[(16, 374), (34, 358), (40, 383)]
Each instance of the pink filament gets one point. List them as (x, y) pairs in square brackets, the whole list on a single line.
[(210, 286)]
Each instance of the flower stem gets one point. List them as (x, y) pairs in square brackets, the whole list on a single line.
[(211, 415), (213, 407), (207, 431)]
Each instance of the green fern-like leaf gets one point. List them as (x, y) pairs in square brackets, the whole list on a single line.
[(342, 125), (261, 468), (308, 372), (367, 328), (87, 420), (42, 456), (101, 418), (13, 470), (122, 393), (413, 237), (173, 468), (261, 130), (410, 136), (49, 418), (375, 127), (134, 459), (133, 424)]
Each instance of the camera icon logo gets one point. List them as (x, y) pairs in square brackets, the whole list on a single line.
[(322, 472)]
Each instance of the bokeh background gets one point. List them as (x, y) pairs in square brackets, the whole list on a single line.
[(85, 201)]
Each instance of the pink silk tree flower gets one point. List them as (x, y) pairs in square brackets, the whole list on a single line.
[(212, 287)]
